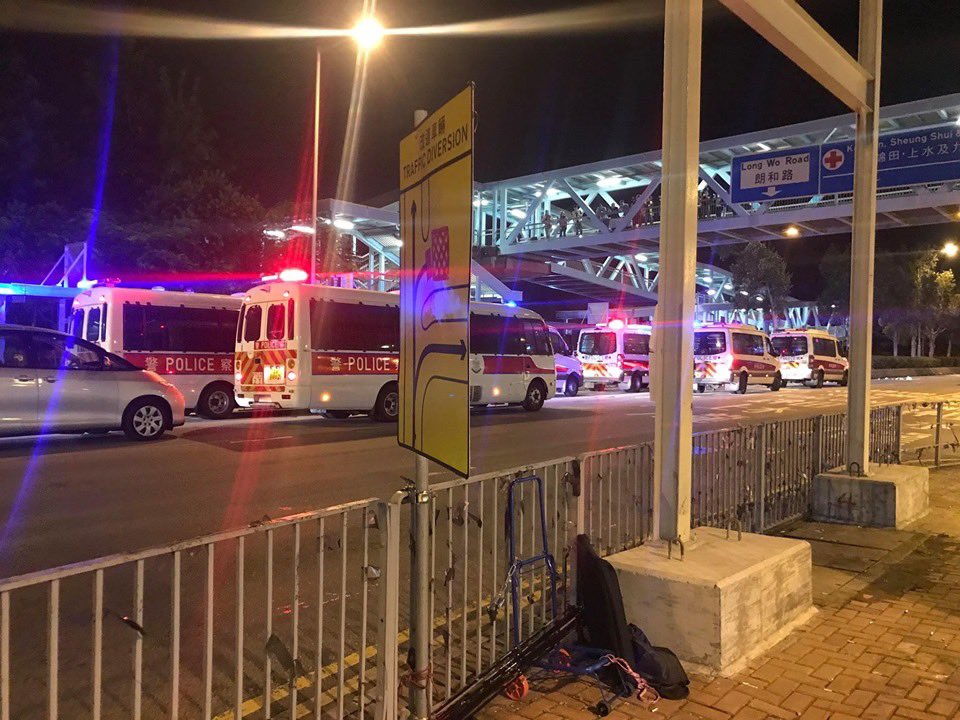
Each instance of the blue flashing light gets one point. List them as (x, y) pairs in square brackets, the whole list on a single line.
[(510, 303), (86, 284), (6, 289)]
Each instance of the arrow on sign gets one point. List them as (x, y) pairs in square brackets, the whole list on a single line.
[(770, 192), (441, 349)]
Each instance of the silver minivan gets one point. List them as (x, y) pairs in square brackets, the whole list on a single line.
[(51, 382)]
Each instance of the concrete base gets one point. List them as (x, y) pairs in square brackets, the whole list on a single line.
[(725, 602), (890, 496)]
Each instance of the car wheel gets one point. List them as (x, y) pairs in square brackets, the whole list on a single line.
[(845, 379), (387, 408), (216, 402), (145, 419), (701, 388), (818, 380), (337, 414), (572, 386), (742, 384), (636, 383), (536, 395), (777, 383)]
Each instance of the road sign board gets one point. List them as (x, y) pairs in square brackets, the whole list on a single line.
[(911, 157), (785, 173), (436, 189)]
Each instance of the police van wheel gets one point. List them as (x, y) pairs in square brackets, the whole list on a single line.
[(636, 383), (845, 379), (387, 408), (742, 384), (818, 380), (536, 395), (701, 388), (572, 386), (777, 383), (216, 402)]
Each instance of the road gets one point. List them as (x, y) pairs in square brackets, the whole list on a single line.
[(66, 498)]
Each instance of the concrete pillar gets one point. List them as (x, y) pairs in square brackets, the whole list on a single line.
[(673, 441), (864, 232)]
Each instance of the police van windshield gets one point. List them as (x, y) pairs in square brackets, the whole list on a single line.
[(598, 343), (789, 344), (709, 343)]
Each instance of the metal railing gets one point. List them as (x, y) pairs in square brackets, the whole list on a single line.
[(930, 433), (468, 554), (309, 616), (257, 620)]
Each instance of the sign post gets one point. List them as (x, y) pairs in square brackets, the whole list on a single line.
[(436, 195)]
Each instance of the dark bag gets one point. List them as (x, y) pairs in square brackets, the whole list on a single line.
[(659, 666)]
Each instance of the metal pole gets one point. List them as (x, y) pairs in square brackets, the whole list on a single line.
[(673, 441), (864, 231), (937, 435), (420, 630), (316, 174)]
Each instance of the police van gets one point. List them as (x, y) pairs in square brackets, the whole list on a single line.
[(187, 338), (615, 354), (733, 357), (810, 356), (569, 368), (337, 351)]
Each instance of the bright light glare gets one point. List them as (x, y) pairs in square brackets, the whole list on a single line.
[(342, 224), (510, 303), (641, 257), (293, 275), (86, 284), (275, 234), (518, 214), (368, 33), (792, 231), (616, 324), (609, 182), (950, 249), (759, 298), (302, 229)]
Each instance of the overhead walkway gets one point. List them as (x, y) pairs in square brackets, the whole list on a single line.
[(509, 221)]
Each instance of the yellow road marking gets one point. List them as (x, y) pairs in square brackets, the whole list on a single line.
[(303, 682)]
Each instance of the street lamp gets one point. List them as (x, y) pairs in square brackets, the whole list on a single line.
[(950, 249), (367, 34)]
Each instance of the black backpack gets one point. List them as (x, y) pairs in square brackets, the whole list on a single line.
[(659, 666)]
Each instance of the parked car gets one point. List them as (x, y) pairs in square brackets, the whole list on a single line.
[(810, 357), (51, 382), (569, 368), (733, 357)]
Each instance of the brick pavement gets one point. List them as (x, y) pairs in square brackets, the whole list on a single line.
[(886, 645)]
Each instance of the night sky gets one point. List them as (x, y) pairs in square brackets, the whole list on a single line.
[(541, 102)]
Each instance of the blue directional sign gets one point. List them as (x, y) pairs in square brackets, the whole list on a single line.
[(784, 173), (905, 158)]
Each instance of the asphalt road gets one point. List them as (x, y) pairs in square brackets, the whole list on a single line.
[(66, 498)]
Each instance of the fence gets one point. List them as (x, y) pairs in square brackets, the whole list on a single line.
[(307, 616), (247, 621), (930, 433)]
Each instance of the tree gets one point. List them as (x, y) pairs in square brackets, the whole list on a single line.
[(760, 278), (937, 295)]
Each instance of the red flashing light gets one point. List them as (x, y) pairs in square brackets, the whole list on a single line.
[(293, 275), (615, 324)]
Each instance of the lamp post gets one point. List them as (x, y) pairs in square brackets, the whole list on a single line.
[(367, 34)]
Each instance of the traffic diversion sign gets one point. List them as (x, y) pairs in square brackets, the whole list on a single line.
[(436, 195)]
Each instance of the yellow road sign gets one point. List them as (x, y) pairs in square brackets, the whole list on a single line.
[(436, 195)]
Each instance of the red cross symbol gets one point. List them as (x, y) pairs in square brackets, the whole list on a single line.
[(833, 159)]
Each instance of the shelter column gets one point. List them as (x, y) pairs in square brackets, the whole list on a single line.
[(673, 388), (864, 231)]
